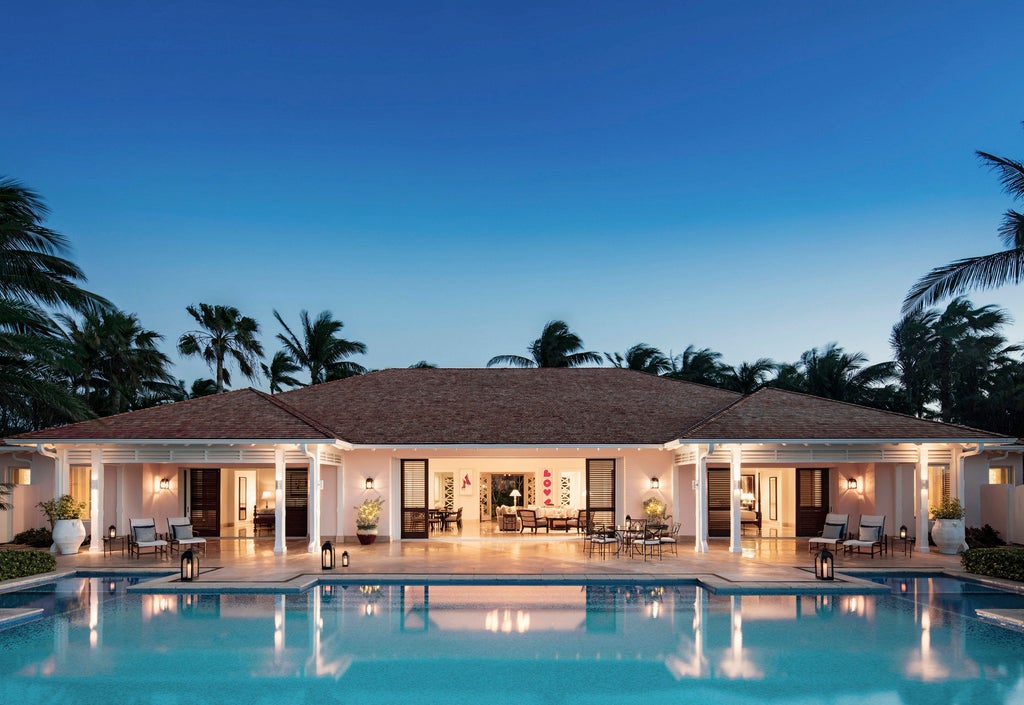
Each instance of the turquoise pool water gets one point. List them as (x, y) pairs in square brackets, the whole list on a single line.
[(510, 644)]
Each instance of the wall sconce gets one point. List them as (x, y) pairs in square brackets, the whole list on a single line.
[(655, 484), (344, 559), (369, 483), (823, 565), (327, 556), (165, 483), (851, 484), (189, 566)]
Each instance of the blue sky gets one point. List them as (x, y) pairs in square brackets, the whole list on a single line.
[(758, 178)]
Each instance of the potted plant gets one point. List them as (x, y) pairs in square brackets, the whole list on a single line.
[(948, 528), (65, 517), (654, 508), (367, 518)]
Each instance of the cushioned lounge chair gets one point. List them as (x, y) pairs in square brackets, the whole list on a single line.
[(833, 534), (142, 537), (870, 536), (179, 530)]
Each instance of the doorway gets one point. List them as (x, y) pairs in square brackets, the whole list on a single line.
[(204, 501), (812, 501)]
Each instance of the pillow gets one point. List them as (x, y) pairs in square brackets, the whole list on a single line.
[(182, 532), (869, 533), (832, 531), (145, 533)]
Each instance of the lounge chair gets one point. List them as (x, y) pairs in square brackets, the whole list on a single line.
[(142, 536), (531, 521), (179, 530), (870, 535), (833, 534)]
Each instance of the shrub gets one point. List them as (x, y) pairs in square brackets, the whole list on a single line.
[(37, 538), (64, 508), (949, 508), (996, 562), (18, 564), (985, 537)]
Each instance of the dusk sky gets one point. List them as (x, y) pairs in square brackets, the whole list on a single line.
[(446, 177)]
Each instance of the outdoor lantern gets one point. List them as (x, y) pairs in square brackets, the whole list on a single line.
[(903, 531), (823, 565), (112, 532), (165, 483), (369, 483), (344, 559), (189, 566), (327, 556), (654, 483), (852, 483)]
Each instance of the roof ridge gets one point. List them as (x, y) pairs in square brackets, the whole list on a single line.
[(889, 412), (289, 409), (179, 403), (712, 416)]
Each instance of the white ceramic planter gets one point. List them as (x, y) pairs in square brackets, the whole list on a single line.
[(68, 535), (948, 535)]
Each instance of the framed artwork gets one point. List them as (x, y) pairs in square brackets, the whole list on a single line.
[(466, 483), (773, 499)]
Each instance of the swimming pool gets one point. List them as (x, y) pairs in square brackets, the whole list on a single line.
[(509, 644)]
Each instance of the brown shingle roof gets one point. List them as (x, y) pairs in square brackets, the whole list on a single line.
[(589, 406), (776, 414), (242, 414), (508, 407)]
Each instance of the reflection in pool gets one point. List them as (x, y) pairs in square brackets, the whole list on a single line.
[(511, 644)]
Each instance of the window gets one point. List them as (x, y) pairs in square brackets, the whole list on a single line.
[(938, 484), (1000, 476), (81, 477)]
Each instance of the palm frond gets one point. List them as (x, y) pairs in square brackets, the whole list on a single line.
[(511, 361), (961, 276), (1010, 172)]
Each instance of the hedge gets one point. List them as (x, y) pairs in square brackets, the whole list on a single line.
[(18, 564), (995, 562)]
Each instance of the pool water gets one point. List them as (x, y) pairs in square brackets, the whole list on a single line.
[(523, 644)]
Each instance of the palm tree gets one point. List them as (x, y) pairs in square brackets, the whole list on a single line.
[(321, 352), (693, 365), (279, 372), (985, 271), (835, 374), (423, 365), (116, 362), (913, 343), (32, 268), (202, 387), (643, 358), (749, 376), (225, 333), (557, 346)]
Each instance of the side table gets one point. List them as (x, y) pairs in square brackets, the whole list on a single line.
[(507, 522), (907, 544), (112, 544)]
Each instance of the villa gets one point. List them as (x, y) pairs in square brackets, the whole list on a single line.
[(296, 464)]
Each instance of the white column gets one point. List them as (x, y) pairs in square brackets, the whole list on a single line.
[(922, 501), (700, 500), (96, 500), (279, 546), (736, 481), (61, 474), (339, 502), (121, 521), (315, 489)]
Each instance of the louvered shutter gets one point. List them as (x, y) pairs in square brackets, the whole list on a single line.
[(414, 499), (601, 490)]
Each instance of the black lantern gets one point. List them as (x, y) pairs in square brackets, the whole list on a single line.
[(369, 483), (327, 556), (112, 532), (851, 483), (344, 559), (655, 484), (903, 531), (189, 566), (823, 565)]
